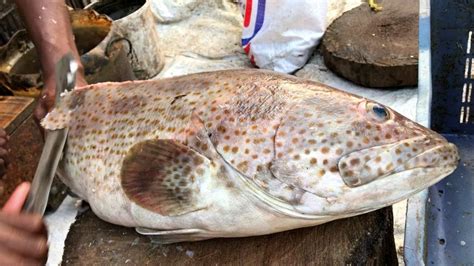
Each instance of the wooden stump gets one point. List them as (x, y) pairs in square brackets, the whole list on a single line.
[(375, 49), (362, 240)]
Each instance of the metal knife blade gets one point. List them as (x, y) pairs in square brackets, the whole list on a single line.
[(55, 140)]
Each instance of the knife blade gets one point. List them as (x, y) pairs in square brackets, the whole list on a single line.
[(37, 200)]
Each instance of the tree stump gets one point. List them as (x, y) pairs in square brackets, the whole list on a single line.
[(375, 49)]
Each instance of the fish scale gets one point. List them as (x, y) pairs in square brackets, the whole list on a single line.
[(239, 153)]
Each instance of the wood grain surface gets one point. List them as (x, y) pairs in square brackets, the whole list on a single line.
[(14, 110), (26, 142), (375, 49), (361, 240)]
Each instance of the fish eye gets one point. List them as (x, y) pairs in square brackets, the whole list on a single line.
[(378, 111)]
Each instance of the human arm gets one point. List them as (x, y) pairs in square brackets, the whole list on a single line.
[(23, 237), (49, 27)]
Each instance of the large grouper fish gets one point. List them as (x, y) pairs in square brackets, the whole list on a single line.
[(238, 153)]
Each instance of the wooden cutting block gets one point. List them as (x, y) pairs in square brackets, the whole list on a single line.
[(26, 142), (362, 240), (375, 49)]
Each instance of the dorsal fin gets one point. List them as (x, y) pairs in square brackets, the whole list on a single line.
[(164, 176)]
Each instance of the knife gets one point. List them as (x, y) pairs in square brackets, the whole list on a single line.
[(38, 196)]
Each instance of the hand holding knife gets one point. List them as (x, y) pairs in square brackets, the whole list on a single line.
[(37, 199)]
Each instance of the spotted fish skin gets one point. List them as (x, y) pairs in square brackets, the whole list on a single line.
[(239, 153)]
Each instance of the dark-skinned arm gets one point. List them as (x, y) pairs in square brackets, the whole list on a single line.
[(48, 25)]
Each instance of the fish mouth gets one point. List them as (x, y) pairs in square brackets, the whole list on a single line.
[(384, 191), (421, 153)]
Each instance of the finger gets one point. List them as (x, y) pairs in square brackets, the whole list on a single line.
[(48, 102), (38, 115), (4, 136), (3, 167), (32, 223), (22, 242), (39, 112), (3, 152), (4, 155), (7, 257), (17, 199), (80, 82)]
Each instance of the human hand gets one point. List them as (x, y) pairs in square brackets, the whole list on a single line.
[(3, 151), (47, 97), (23, 237)]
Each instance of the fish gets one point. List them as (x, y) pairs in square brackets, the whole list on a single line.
[(239, 153)]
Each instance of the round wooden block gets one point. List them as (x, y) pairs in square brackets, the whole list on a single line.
[(375, 49)]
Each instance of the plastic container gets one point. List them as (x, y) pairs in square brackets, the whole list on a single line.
[(440, 220)]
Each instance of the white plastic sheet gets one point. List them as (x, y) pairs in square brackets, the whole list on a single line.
[(58, 224)]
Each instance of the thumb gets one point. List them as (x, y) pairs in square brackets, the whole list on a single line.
[(17, 199)]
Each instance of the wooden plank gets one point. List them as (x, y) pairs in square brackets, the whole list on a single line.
[(14, 110), (362, 240)]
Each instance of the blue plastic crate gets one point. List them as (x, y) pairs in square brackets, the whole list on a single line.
[(440, 221)]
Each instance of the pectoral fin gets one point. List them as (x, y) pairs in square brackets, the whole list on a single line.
[(164, 176)]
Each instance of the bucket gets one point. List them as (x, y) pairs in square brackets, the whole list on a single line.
[(134, 26)]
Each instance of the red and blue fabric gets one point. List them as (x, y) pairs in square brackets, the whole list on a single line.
[(253, 21)]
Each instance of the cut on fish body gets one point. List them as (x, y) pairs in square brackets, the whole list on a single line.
[(239, 153)]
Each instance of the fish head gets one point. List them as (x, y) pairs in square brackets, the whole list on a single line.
[(353, 155), (389, 144)]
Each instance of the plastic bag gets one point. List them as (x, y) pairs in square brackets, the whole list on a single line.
[(281, 35)]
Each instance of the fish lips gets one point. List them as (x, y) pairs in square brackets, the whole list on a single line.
[(364, 166)]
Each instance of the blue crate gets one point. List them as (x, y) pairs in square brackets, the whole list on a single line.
[(440, 221)]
